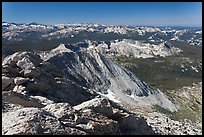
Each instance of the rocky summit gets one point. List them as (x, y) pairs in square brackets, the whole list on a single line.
[(74, 92)]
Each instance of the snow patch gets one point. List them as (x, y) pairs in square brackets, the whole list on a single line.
[(198, 32), (110, 96)]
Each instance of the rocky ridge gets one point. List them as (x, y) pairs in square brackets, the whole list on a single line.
[(137, 49), (48, 93)]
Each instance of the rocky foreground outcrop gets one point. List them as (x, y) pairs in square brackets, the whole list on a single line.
[(67, 92), (95, 117)]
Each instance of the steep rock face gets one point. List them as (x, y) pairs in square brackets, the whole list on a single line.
[(84, 72), (94, 71)]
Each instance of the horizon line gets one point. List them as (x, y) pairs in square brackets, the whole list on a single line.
[(106, 24)]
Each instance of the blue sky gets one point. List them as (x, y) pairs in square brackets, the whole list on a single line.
[(108, 13)]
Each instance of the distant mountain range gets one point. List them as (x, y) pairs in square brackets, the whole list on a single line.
[(37, 34)]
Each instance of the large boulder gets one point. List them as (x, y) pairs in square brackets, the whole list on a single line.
[(34, 121), (86, 119), (131, 124), (95, 123), (59, 110), (103, 127), (99, 105)]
